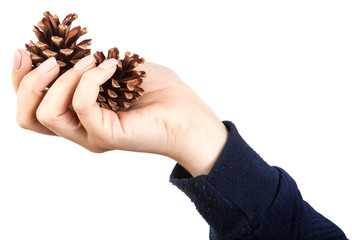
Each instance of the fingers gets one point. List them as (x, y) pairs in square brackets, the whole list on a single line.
[(50, 112), (54, 111), (22, 64), (85, 97), (31, 92)]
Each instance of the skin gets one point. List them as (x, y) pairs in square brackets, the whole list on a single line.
[(170, 119)]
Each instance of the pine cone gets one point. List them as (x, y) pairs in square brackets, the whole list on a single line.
[(58, 40), (123, 87)]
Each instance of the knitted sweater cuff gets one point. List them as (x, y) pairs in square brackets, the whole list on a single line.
[(236, 193)]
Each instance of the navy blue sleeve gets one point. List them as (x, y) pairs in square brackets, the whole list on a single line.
[(244, 198)]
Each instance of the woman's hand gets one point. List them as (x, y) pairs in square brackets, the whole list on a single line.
[(169, 119)]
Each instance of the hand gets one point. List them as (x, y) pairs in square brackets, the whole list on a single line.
[(170, 119)]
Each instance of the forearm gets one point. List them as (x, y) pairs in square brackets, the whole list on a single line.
[(291, 216), (242, 197), (236, 193)]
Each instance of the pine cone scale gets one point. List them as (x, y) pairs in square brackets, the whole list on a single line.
[(52, 21), (48, 54), (58, 41)]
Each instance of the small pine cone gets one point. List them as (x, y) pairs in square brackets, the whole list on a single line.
[(58, 40), (123, 87)]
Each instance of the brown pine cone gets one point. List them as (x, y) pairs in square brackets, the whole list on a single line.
[(123, 87), (58, 40)]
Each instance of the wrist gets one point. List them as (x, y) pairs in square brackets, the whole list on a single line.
[(203, 147)]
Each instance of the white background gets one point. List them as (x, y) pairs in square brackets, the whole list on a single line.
[(280, 70)]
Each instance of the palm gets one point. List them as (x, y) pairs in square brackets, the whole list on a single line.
[(149, 121)]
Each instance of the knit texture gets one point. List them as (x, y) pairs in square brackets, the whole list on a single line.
[(244, 198), (290, 217)]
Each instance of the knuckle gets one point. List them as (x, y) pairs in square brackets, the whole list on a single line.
[(44, 117), (66, 79), (93, 142), (23, 123), (25, 83), (78, 105), (96, 144), (96, 150), (90, 73), (30, 85), (86, 76)]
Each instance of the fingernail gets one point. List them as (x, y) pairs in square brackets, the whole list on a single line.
[(84, 62), (17, 60), (47, 65), (108, 63)]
